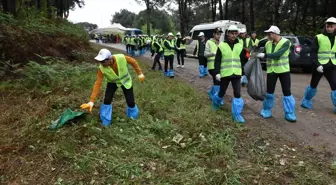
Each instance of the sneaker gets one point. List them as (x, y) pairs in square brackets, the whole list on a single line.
[(182, 66), (178, 65)]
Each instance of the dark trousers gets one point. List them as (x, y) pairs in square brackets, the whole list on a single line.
[(180, 56), (329, 73), (213, 74), (110, 91), (202, 60), (128, 47), (157, 60), (285, 81), (170, 60), (133, 47), (224, 83)]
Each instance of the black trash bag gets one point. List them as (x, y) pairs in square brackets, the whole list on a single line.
[(256, 86)]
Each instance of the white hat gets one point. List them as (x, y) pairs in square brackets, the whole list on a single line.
[(170, 34), (331, 20), (232, 28), (273, 29), (201, 34), (103, 55), (242, 30), (148, 41), (178, 34)]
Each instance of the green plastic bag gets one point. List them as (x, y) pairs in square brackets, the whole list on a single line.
[(66, 116)]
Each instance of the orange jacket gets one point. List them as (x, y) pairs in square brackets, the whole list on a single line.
[(114, 66)]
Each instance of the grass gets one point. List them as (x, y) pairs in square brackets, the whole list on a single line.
[(178, 139)]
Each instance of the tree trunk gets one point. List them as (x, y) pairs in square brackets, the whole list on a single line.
[(304, 13), (252, 15), (276, 12), (221, 10), (326, 8), (38, 4), (314, 13), (148, 17), (226, 9), (9, 6), (243, 12), (298, 5)]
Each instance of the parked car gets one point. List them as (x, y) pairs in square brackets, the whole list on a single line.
[(300, 52)]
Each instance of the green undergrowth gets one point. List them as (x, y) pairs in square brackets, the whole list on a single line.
[(178, 138)]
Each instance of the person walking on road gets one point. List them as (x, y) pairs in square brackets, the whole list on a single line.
[(181, 50), (199, 52), (211, 48), (277, 56), (228, 68), (114, 69), (156, 48), (243, 40), (324, 46), (169, 52)]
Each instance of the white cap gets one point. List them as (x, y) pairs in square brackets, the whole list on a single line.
[(331, 20), (201, 34), (273, 29), (148, 41), (232, 28), (170, 34), (242, 30), (178, 34), (103, 55)]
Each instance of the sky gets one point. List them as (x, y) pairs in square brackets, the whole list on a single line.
[(99, 11)]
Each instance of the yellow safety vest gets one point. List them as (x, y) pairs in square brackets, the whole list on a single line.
[(158, 50), (168, 52), (230, 64), (325, 52), (213, 49), (124, 78), (280, 65)]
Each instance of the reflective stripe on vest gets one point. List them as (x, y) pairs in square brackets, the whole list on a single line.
[(280, 65), (325, 52), (123, 78), (213, 49), (230, 64), (168, 52)]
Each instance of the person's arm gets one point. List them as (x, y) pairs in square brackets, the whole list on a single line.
[(280, 52), (97, 86), (167, 45), (134, 64), (195, 50), (207, 51), (178, 43), (218, 61), (314, 51)]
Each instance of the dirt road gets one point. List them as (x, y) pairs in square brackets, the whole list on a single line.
[(316, 128)]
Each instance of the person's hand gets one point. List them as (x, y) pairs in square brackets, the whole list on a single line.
[(319, 69), (87, 106), (261, 55), (218, 77), (141, 77)]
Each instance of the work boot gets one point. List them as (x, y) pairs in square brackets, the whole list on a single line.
[(165, 73), (217, 101), (132, 113), (216, 90), (243, 80), (268, 104), (333, 99), (171, 73), (201, 71), (307, 100), (289, 108), (237, 108), (211, 92), (106, 114)]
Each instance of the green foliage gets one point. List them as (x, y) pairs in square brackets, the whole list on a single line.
[(152, 30), (124, 17)]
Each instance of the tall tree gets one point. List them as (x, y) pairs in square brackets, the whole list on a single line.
[(252, 15), (243, 12), (150, 5), (221, 15), (124, 17), (226, 10), (9, 6)]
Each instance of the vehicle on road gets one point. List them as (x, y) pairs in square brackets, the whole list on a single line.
[(300, 52), (207, 29)]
